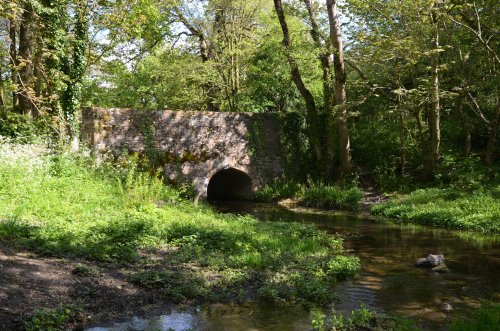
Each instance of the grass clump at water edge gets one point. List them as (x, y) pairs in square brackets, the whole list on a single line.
[(486, 318), (65, 206), (362, 319), (312, 194), (477, 210)]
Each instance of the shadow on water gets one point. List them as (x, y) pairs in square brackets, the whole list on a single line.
[(388, 280)]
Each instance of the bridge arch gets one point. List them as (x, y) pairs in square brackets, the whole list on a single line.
[(230, 184)]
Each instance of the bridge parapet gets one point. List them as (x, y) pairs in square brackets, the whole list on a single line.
[(192, 146)]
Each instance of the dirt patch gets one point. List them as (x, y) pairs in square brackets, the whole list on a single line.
[(371, 198), (29, 282)]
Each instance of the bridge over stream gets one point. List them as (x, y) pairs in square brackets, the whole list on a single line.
[(223, 155)]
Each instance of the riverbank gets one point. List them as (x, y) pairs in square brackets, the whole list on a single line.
[(446, 207), (477, 210), (73, 233)]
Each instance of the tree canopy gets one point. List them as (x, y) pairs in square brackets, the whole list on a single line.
[(390, 87)]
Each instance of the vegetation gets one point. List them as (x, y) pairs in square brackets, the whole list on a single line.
[(63, 205), (403, 95), (485, 318), (53, 319), (318, 195), (477, 210), (403, 92), (331, 197), (361, 319)]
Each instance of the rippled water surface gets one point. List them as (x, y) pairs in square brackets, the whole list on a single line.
[(388, 280)]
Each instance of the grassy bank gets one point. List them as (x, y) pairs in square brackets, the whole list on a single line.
[(66, 206), (316, 195), (485, 318), (477, 210)]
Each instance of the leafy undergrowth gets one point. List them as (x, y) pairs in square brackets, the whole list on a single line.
[(486, 318), (361, 319), (477, 210), (317, 195), (330, 197), (61, 205), (53, 319)]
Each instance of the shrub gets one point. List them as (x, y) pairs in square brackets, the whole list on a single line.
[(22, 127)]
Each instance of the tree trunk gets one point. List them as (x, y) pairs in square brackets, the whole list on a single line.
[(13, 61), (401, 132), (465, 127), (38, 79), (434, 114), (207, 55), (2, 96), (328, 99), (490, 148), (25, 59), (340, 89), (311, 110)]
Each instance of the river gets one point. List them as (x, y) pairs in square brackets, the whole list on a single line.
[(388, 280)]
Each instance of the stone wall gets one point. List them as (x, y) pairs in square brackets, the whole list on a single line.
[(193, 146)]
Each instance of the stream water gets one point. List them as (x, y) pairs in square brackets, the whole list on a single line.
[(388, 280)]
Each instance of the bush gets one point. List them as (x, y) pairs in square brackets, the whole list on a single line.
[(466, 174), (22, 127)]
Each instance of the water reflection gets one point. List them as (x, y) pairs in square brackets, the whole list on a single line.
[(220, 317)]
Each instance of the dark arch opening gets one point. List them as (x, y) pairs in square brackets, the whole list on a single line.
[(230, 184)]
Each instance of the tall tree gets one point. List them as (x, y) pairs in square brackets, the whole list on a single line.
[(25, 59), (435, 111), (325, 53), (340, 88), (13, 57), (311, 109)]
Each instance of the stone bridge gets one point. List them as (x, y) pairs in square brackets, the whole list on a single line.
[(223, 155)]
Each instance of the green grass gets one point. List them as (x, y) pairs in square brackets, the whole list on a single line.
[(64, 206), (53, 319), (486, 318), (317, 195), (330, 197), (361, 319), (277, 190), (477, 210)]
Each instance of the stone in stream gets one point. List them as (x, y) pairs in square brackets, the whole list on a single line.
[(446, 307), (441, 269), (431, 261)]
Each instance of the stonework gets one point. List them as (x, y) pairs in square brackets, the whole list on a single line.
[(194, 145)]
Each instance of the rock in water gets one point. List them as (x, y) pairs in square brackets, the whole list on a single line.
[(432, 260), (446, 307), (442, 269)]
